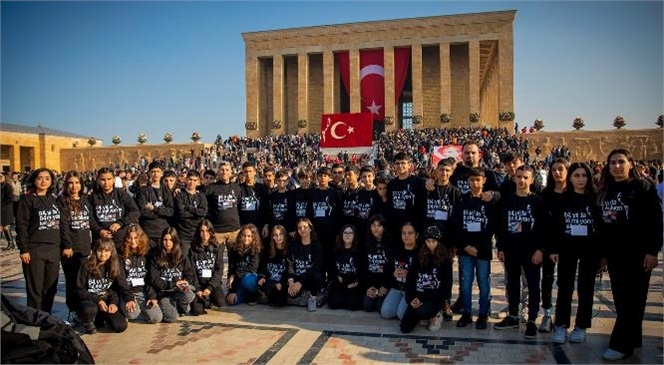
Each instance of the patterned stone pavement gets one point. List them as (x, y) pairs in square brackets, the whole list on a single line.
[(263, 335)]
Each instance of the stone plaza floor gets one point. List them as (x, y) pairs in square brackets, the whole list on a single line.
[(260, 334)]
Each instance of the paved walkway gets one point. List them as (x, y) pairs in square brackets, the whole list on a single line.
[(262, 335)]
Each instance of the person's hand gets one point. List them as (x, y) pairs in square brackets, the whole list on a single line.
[(351, 286), (105, 233), (131, 306), (341, 280), (67, 253), (151, 303), (231, 298), (554, 258), (181, 283), (112, 308), (114, 227), (261, 281), (501, 256), (266, 231), (430, 184), (382, 291), (102, 306), (25, 258), (649, 262), (149, 207), (206, 292), (415, 303), (294, 288), (199, 294), (537, 257), (487, 196), (278, 286), (472, 251), (372, 292)]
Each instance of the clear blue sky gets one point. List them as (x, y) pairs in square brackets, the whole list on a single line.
[(119, 68)]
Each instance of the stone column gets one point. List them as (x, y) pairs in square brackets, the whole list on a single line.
[(251, 65), (506, 78), (355, 101), (445, 81), (390, 102), (418, 95), (16, 161), (328, 82), (302, 87), (277, 92), (474, 77)]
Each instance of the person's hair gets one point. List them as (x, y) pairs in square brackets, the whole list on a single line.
[(340, 240), (169, 173), (337, 165), (527, 168), (508, 157), (197, 242), (272, 250), (437, 257), (402, 156), (366, 169), (33, 178), (381, 180), (193, 173), (112, 265), (353, 168), (311, 227), (143, 242), (606, 179), (447, 162), (105, 170), (476, 171), (281, 173), (589, 188), (267, 169), (469, 143), (155, 165), (165, 260), (210, 172), (248, 164), (550, 183), (256, 243), (72, 206)]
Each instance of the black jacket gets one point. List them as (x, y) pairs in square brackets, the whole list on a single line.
[(190, 210)]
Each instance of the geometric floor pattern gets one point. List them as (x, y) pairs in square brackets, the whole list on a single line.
[(350, 348)]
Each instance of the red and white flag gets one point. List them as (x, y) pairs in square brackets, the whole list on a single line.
[(372, 83), (346, 130), (442, 152)]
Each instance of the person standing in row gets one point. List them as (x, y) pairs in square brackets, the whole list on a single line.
[(78, 223), (7, 211), (114, 209), (223, 199), (39, 236), (155, 203), (191, 207), (629, 204)]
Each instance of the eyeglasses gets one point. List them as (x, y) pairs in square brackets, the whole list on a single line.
[(346, 232)]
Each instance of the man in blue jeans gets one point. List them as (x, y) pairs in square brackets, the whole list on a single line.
[(474, 221)]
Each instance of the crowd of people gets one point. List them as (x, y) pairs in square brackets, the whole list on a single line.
[(374, 233)]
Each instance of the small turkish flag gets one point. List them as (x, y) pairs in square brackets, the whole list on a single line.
[(346, 130)]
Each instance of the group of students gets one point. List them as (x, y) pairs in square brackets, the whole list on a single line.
[(161, 253)]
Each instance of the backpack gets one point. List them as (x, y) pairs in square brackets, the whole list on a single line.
[(33, 336)]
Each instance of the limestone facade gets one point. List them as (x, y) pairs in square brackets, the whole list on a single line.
[(460, 64)]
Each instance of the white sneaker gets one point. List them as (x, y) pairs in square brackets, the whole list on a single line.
[(559, 335), (311, 304), (434, 325), (613, 355), (578, 335)]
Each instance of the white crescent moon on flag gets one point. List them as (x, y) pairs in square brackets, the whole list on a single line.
[(333, 131), (372, 70)]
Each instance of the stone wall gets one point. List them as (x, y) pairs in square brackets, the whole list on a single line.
[(645, 144), (31, 151)]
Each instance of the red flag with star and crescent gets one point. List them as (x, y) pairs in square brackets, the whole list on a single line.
[(346, 130), (372, 83)]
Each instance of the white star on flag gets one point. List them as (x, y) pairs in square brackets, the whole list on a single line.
[(374, 108), (351, 130)]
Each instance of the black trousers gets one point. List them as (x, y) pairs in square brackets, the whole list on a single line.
[(88, 311), (312, 282), (41, 276), (588, 265), (548, 269), (199, 305), (513, 265), (629, 285), (341, 297), (275, 297), (413, 316), (70, 268)]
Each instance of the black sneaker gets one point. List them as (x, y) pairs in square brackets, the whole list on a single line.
[(89, 328), (457, 307), (531, 331), (507, 323), (464, 321), (481, 323)]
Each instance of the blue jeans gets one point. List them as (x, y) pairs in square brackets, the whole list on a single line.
[(469, 266), (248, 285)]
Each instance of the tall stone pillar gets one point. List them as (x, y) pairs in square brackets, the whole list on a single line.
[(328, 82), (474, 75), (278, 93), (446, 80), (302, 88), (251, 65), (16, 160), (390, 102), (506, 78), (355, 101), (418, 94)]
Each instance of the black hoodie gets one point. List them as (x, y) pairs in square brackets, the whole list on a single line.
[(155, 221), (190, 209), (38, 222), (104, 288), (164, 279), (429, 283), (115, 207), (208, 261), (77, 226)]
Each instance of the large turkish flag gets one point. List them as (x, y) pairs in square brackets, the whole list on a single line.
[(372, 83), (346, 130)]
